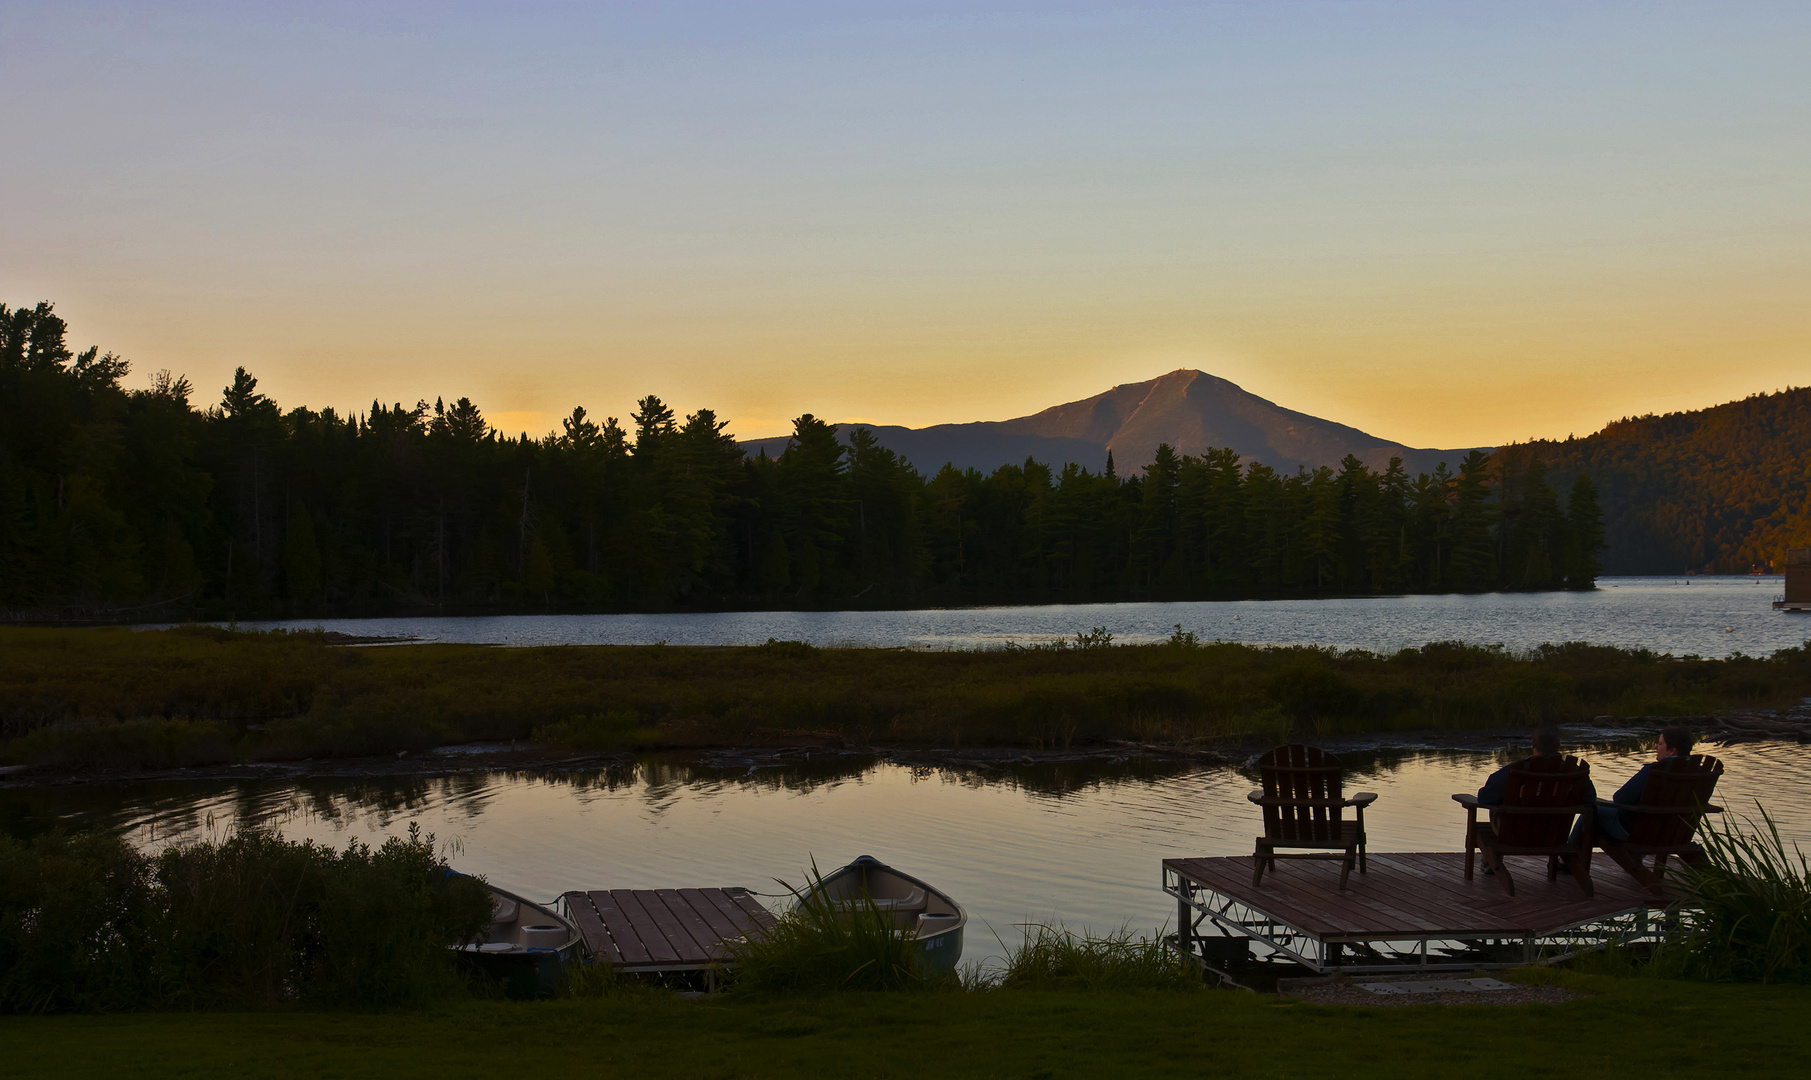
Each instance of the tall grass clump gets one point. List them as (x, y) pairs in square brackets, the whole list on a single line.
[(1053, 958), (820, 947), (88, 924), (1753, 899)]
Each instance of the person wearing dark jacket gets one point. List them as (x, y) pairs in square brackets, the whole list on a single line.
[(1613, 824)]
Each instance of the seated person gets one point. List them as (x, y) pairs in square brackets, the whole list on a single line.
[(1613, 824), (1545, 744)]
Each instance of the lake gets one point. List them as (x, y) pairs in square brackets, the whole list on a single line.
[(1077, 844), (1705, 616)]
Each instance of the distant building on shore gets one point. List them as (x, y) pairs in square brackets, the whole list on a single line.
[(1798, 581)]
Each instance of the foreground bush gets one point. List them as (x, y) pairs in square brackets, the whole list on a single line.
[(75, 915), (86, 923)]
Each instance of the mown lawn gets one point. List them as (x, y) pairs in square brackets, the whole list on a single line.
[(1627, 1027)]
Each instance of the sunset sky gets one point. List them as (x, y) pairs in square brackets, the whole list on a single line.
[(1447, 223)]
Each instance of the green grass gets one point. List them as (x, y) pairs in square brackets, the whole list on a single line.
[(1053, 958), (1639, 1027), (113, 698)]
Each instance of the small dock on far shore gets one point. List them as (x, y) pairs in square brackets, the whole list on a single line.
[(1413, 911), (643, 931)]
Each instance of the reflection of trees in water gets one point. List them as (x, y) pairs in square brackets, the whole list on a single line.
[(176, 809)]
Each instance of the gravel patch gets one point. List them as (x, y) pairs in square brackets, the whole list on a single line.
[(1351, 991)]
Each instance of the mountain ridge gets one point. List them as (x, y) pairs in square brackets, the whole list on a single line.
[(1191, 411)]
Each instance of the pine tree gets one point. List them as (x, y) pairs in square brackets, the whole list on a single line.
[(1584, 535)]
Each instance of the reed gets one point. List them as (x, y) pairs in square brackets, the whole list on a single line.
[(1753, 908), (821, 947), (1054, 958)]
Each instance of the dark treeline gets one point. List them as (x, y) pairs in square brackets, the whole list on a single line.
[(114, 501)]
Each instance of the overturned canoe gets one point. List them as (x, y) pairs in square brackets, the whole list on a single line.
[(937, 919)]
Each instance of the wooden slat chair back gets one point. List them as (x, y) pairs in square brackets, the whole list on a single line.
[(1302, 797), (1673, 803), (1544, 797)]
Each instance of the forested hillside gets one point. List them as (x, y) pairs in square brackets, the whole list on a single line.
[(1724, 489), (138, 503)]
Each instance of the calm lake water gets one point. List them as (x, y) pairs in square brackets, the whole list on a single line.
[(1078, 844), (1706, 616)]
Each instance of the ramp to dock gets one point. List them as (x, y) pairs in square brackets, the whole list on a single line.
[(1410, 910), (656, 930)]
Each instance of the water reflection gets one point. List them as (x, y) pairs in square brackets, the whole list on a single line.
[(1078, 842)]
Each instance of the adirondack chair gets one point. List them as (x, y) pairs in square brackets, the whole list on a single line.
[(1545, 794), (1304, 808), (1674, 800)]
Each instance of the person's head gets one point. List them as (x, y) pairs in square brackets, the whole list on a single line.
[(1674, 739), (1546, 740)]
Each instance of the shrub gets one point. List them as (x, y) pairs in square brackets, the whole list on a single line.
[(258, 918), (86, 923), (73, 912)]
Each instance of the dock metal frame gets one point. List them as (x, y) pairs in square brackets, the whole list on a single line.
[(1198, 903)]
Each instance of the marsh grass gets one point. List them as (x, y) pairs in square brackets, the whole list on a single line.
[(1753, 917), (820, 947), (615, 729), (1054, 958), (117, 699)]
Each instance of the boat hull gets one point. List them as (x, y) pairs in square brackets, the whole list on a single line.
[(938, 920), (526, 948)]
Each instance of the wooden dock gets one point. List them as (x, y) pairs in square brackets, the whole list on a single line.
[(1411, 910), (661, 930)]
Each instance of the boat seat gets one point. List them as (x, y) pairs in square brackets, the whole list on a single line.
[(503, 911), (912, 901)]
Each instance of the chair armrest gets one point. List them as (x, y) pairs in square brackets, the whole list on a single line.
[(1255, 795), (1362, 799), (1637, 808), (1467, 801)]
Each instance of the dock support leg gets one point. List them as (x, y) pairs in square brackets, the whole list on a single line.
[(1185, 930)]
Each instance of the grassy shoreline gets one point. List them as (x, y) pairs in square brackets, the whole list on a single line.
[(118, 699), (1649, 1026)]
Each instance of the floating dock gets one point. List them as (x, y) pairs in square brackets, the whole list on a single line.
[(1411, 911), (665, 930)]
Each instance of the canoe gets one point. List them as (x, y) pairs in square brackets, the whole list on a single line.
[(937, 919), (525, 947)]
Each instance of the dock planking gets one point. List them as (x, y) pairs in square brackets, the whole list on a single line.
[(664, 929), (1421, 895)]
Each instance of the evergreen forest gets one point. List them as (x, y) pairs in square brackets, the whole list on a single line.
[(147, 503), (1720, 490)]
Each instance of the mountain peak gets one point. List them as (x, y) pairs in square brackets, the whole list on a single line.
[(1192, 411)]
